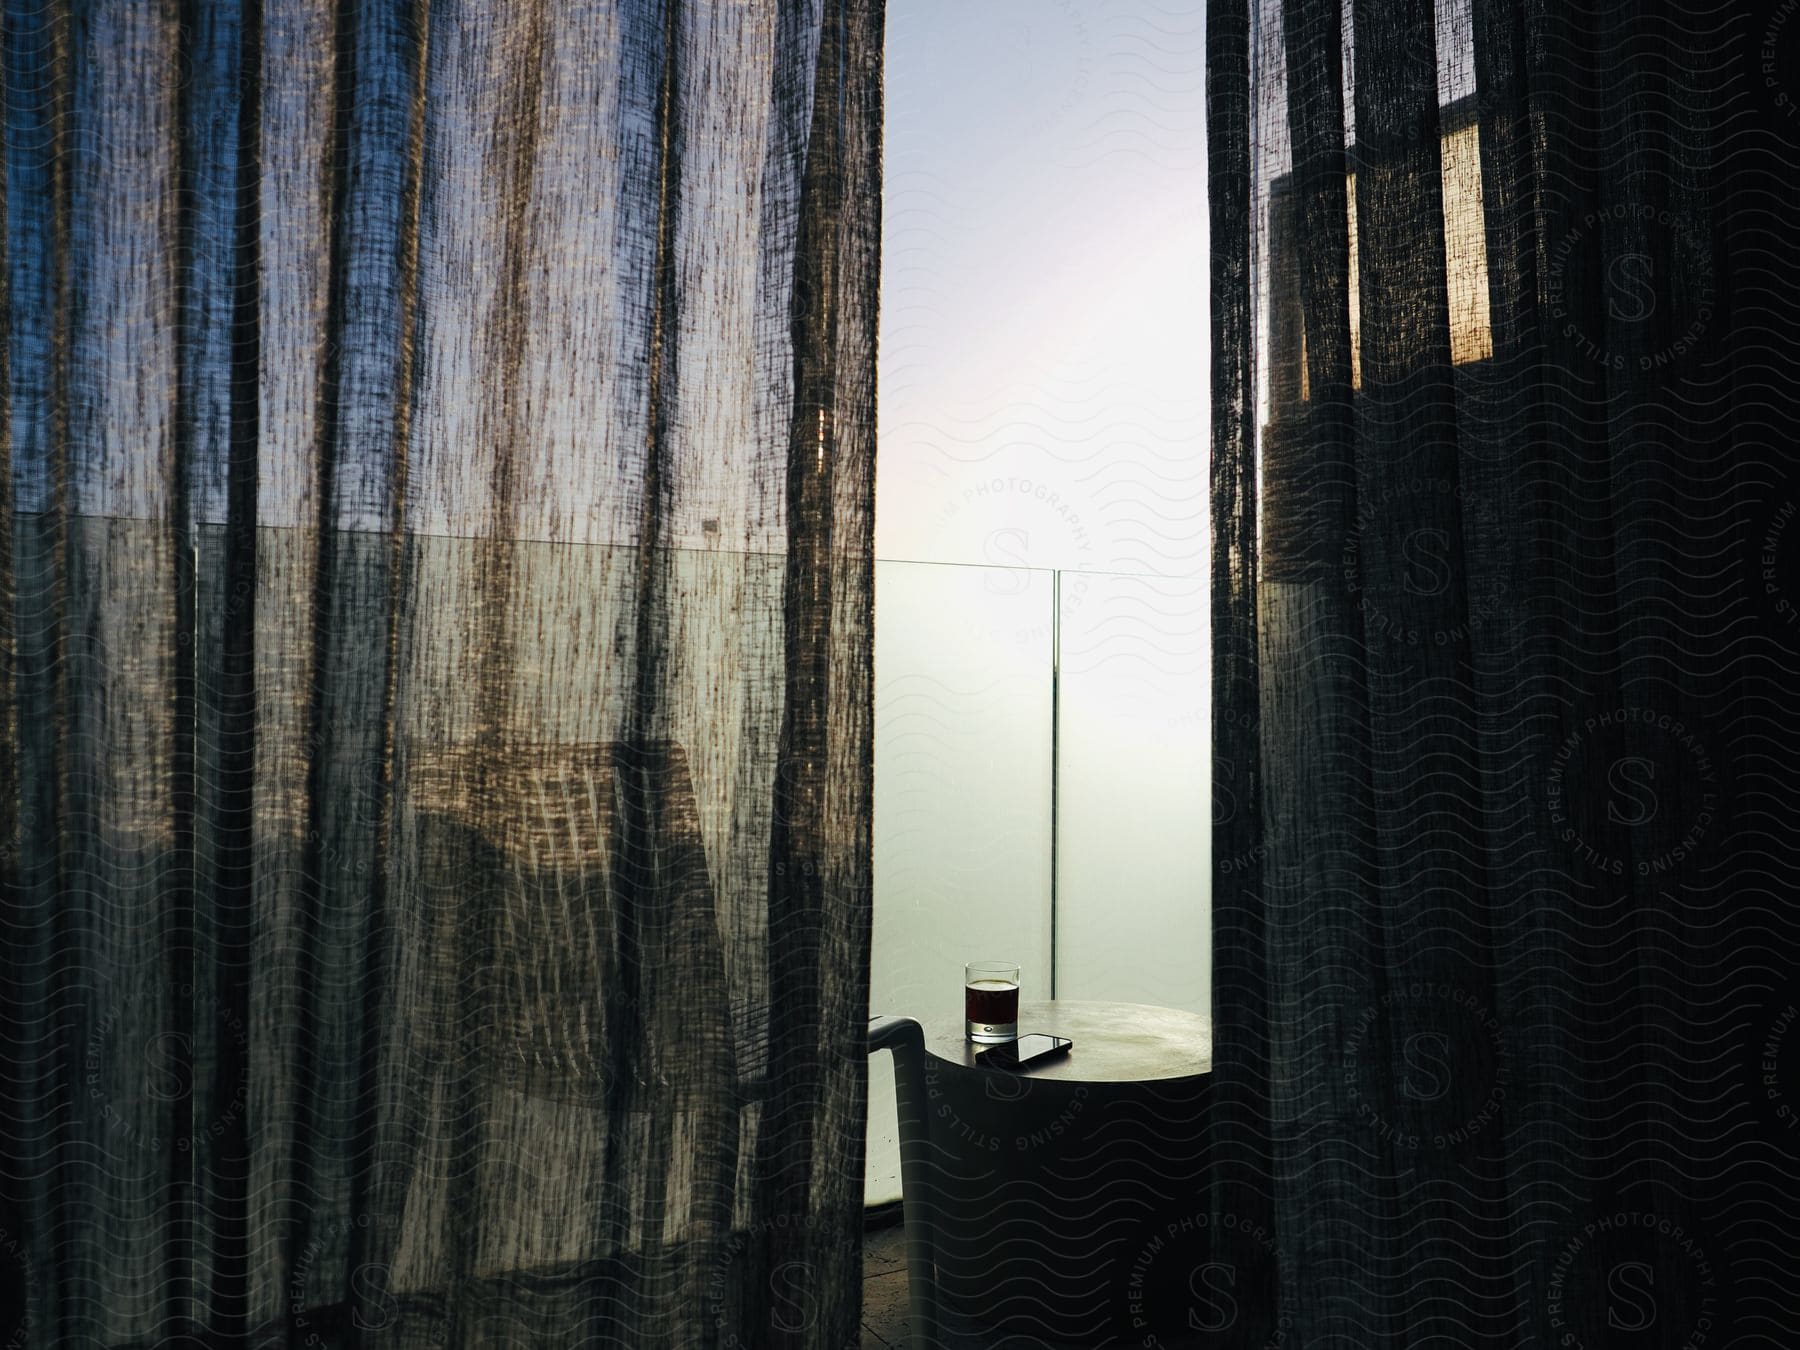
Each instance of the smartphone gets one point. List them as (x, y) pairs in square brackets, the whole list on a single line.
[(1036, 1048)]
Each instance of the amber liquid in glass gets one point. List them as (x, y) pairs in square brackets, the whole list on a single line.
[(991, 1011)]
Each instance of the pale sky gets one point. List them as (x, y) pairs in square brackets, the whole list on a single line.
[(1044, 289)]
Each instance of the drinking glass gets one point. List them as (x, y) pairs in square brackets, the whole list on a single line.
[(991, 1002)]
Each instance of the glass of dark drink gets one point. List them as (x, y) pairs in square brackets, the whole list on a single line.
[(991, 1002)]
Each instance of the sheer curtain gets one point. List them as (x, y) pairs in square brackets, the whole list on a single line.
[(1505, 678), (435, 601)]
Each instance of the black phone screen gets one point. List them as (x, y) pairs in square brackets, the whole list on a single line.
[(1024, 1052)]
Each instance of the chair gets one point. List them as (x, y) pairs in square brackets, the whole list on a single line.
[(1067, 1207), (906, 1039)]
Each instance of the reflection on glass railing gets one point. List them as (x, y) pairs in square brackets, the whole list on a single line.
[(1133, 831), (963, 749), (962, 778)]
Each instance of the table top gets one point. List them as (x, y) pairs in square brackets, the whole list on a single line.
[(1114, 1042)]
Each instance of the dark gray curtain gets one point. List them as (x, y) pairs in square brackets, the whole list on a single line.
[(435, 601), (1507, 678)]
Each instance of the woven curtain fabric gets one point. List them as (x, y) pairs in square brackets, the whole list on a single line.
[(1506, 680), (435, 603)]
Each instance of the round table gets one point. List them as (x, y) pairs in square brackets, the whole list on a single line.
[(1113, 1042), (1062, 1186)]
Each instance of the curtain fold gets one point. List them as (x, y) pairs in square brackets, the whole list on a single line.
[(436, 509), (1504, 682)]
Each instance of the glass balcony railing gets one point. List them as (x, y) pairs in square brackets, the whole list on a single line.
[(1041, 737), (1041, 794)]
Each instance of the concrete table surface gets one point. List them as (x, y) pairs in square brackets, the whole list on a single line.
[(1114, 1042)]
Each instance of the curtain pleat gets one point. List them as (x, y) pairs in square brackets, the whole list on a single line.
[(436, 516)]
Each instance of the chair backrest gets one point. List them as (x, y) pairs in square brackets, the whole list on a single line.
[(906, 1039)]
